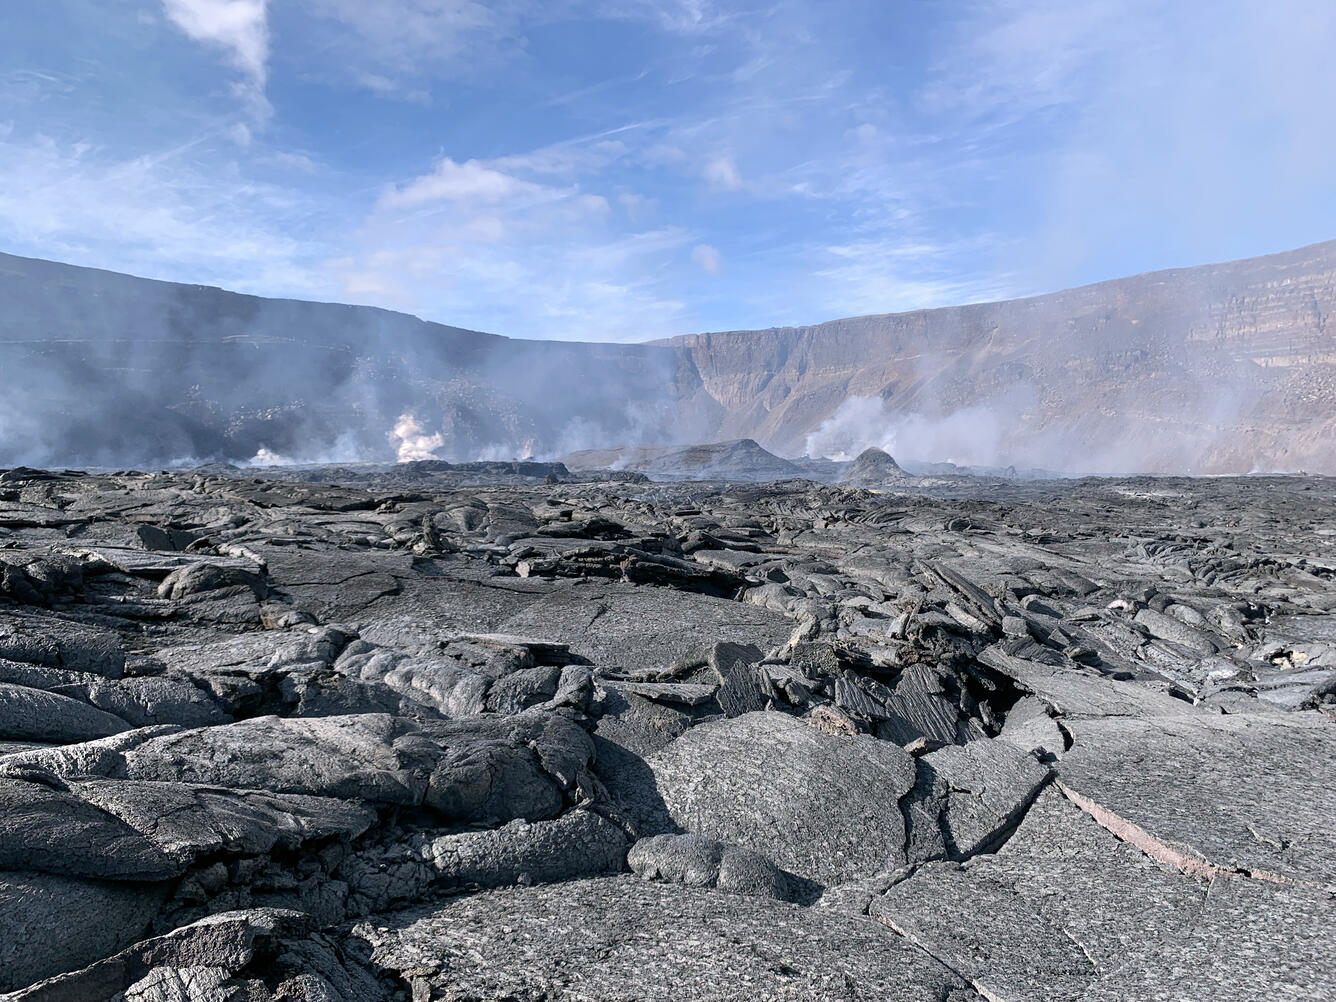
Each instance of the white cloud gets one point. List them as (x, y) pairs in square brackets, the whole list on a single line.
[(663, 154), (1205, 124), (685, 17), (865, 133), (485, 244), (240, 28), (470, 181), (294, 161), (1013, 58), (722, 173), (583, 155), (392, 46), (891, 274), (707, 257), (634, 204)]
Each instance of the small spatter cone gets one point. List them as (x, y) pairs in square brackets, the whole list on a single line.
[(872, 468)]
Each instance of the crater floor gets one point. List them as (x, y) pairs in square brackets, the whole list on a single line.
[(394, 737)]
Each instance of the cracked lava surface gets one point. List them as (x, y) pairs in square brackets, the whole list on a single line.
[(341, 738)]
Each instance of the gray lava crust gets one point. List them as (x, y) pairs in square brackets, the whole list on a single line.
[(390, 736)]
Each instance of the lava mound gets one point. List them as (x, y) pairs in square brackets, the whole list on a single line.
[(873, 468), (742, 459)]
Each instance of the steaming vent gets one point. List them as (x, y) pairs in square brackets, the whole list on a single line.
[(411, 441)]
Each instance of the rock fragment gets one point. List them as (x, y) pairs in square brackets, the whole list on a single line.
[(697, 861), (822, 807), (28, 714), (370, 757)]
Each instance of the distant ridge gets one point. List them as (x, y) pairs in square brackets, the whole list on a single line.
[(1222, 368)]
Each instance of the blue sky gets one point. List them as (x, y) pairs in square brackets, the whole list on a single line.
[(628, 169)]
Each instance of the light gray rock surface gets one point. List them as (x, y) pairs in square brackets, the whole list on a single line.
[(577, 844), (968, 797), (50, 924), (1264, 781), (1067, 910), (821, 806), (369, 756), (624, 938), (28, 714), (697, 861), (54, 831)]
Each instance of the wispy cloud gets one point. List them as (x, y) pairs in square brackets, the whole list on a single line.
[(690, 17), (167, 214), (1011, 58), (392, 46), (1194, 127), (240, 30), (487, 241), (722, 173), (864, 276), (707, 257), (471, 181)]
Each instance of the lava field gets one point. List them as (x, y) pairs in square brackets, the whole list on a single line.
[(345, 737)]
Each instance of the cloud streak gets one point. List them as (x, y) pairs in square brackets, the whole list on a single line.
[(176, 213)]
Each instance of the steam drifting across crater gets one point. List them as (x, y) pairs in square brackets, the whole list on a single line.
[(1218, 369)]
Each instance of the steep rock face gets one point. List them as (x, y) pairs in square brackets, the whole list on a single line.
[(121, 370), (1217, 368)]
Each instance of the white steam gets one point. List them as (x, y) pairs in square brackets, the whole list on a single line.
[(411, 441), (970, 436), (344, 450)]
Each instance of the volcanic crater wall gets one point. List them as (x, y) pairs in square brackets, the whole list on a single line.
[(1213, 369), (106, 369)]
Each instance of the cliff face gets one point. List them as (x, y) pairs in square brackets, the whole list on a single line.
[(1220, 368), (107, 369)]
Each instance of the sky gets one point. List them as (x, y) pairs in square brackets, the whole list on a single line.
[(629, 169)]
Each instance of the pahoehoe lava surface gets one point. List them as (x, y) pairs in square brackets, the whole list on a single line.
[(356, 736)]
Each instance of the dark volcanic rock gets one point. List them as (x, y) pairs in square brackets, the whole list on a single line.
[(369, 756), (395, 736), (873, 468), (751, 781), (705, 862), (28, 714), (50, 924)]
